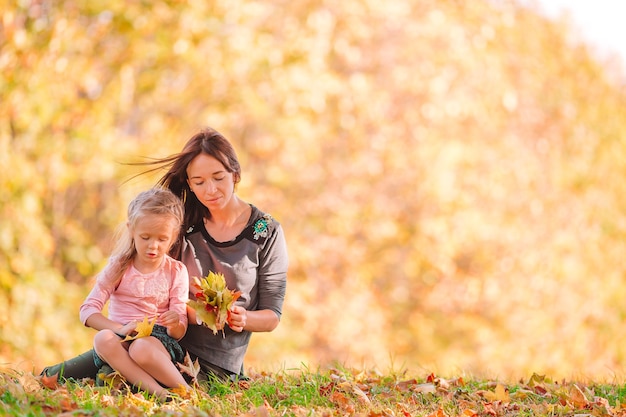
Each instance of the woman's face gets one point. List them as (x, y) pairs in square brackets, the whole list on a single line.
[(210, 182)]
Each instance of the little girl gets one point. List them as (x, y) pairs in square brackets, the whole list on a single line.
[(142, 281)]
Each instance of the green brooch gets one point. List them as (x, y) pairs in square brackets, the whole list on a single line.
[(261, 226)]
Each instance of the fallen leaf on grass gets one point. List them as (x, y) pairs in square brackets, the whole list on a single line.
[(537, 384), (181, 391), (444, 384), (138, 400), (425, 388), (406, 385), (113, 379), (343, 402), (29, 382), (402, 408), (261, 411), (500, 393), (577, 397), (50, 382), (536, 379), (521, 394), (438, 413), (414, 386), (327, 390), (63, 404), (353, 388), (108, 400), (190, 368)]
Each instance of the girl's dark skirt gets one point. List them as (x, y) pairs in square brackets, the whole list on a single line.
[(160, 332)]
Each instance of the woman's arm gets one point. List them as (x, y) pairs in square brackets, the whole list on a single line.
[(252, 321), (272, 282)]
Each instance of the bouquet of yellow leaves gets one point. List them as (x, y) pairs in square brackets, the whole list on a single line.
[(213, 300)]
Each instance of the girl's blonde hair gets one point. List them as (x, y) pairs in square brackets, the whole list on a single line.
[(159, 201)]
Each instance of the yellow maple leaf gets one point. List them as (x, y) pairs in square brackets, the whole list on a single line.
[(142, 329), (181, 392), (502, 394), (113, 379)]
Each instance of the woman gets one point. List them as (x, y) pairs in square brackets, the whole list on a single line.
[(223, 234)]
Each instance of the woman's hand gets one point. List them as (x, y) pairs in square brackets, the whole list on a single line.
[(237, 318)]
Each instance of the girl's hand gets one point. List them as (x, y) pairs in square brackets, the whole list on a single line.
[(169, 319), (237, 318), (126, 329)]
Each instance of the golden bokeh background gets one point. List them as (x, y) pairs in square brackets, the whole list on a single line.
[(450, 175)]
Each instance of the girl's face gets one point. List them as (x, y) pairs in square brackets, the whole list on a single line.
[(153, 235), (210, 182)]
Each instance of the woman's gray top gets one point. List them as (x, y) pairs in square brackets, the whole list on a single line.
[(255, 263)]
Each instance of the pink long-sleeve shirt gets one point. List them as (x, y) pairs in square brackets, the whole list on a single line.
[(138, 295)]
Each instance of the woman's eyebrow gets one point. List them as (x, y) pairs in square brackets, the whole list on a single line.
[(221, 171)]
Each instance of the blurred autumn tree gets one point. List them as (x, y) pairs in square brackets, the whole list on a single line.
[(449, 174)]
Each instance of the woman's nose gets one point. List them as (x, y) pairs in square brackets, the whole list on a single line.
[(210, 187)]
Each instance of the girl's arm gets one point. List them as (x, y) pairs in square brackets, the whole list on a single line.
[(99, 322), (175, 320), (176, 327), (105, 284)]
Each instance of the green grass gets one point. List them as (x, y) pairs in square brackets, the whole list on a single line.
[(324, 393)]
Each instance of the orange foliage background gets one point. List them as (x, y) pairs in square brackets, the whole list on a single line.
[(449, 174)]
